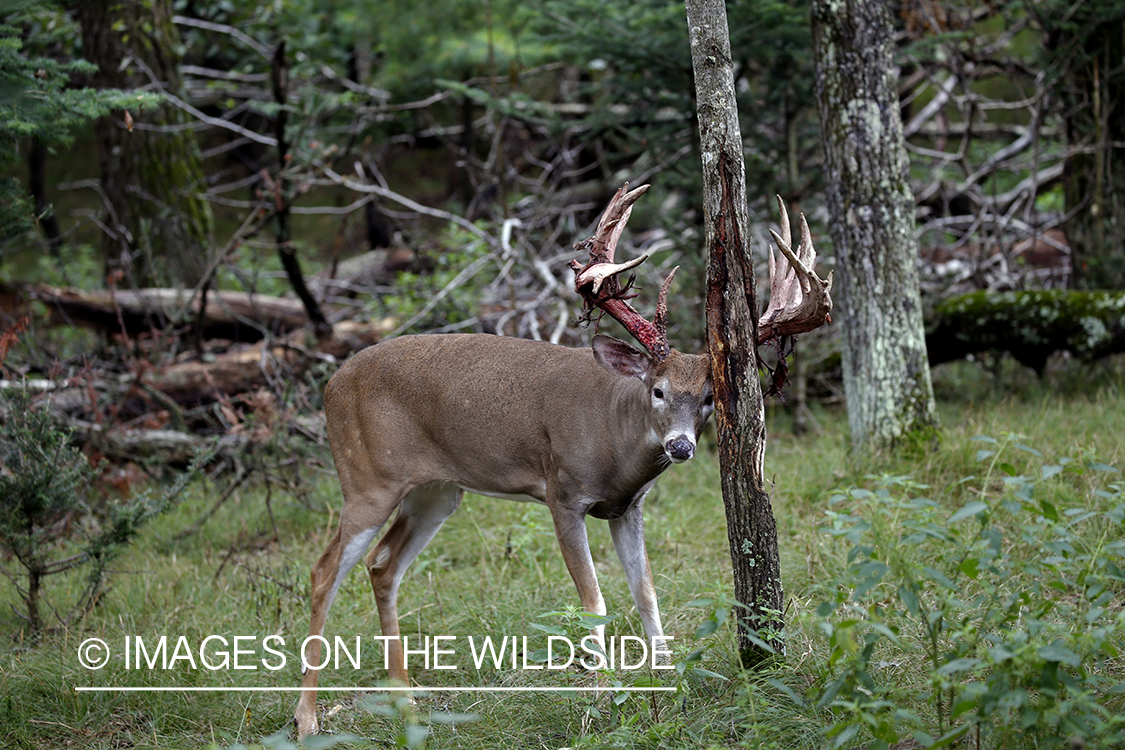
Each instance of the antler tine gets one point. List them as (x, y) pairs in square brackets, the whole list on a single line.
[(786, 232), (596, 274), (597, 284), (660, 319), (799, 299), (806, 255), (616, 215)]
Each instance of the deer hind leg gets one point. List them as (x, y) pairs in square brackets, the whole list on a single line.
[(420, 515), (360, 521), (628, 534)]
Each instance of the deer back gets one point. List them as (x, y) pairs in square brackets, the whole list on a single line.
[(507, 416)]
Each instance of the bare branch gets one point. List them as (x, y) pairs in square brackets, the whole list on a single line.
[(223, 28)]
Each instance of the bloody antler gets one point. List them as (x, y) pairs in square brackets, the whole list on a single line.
[(597, 283), (799, 299)]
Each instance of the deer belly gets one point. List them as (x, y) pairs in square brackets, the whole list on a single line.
[(517, 497)]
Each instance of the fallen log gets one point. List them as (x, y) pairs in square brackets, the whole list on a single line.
[(253, 366), (238, 316), (201, 381), (157, 447), (1030, 325)]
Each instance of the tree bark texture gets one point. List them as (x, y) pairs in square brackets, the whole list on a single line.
[(871, 210), (159, 224), (1091, 86), (732, 332)]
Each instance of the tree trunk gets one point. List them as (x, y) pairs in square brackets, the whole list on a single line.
[(159, 224), (34, 585), (1091, 88), (279, 77), (731, 335), (886, 373), (37, 185)]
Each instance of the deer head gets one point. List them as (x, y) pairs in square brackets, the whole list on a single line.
[(680, 383)]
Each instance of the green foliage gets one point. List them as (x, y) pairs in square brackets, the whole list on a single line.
[(448, 294), (46, 523), (636, 62), (1031, 325), (42, 474), (411, 731), (36, 103), (42, 482), (408, 47), (995, 621), (494, 567)]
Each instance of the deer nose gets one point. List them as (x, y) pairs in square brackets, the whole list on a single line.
[(680, 448)]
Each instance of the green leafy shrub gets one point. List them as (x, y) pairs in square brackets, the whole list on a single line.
[(42, 482), (999, 622), (448, 296), (46, 523)]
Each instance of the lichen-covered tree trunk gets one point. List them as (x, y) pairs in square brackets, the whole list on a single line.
[(1087, 41), (886, 373), (732, 333), (158, 223)]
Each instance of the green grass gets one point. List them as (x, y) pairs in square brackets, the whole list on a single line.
[(494, 570)]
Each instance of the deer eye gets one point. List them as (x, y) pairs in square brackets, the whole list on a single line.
[(709, 400), (657, 393)]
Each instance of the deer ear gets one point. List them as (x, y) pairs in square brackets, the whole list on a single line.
[(621, 358)]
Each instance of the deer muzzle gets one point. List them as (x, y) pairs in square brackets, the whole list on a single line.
[(680, 448)]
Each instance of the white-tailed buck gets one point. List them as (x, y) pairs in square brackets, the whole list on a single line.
[(415, 422)]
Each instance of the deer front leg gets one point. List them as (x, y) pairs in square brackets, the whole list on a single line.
[(628, 532), (570, 530)]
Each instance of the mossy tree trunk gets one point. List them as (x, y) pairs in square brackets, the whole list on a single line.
[(732, 325), (871, 210), (1087, 43), (158, 222)]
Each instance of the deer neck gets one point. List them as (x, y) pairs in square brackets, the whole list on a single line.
[(637, 455)]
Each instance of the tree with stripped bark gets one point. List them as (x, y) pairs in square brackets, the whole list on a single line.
[(799, 302)]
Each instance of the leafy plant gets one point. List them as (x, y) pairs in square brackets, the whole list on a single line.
[(1012, 597), (36, 103), (46, 523), (42, 482), (411, 732), (447, 296)]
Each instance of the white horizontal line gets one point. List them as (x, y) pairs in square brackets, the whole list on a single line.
[(235, 689)]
